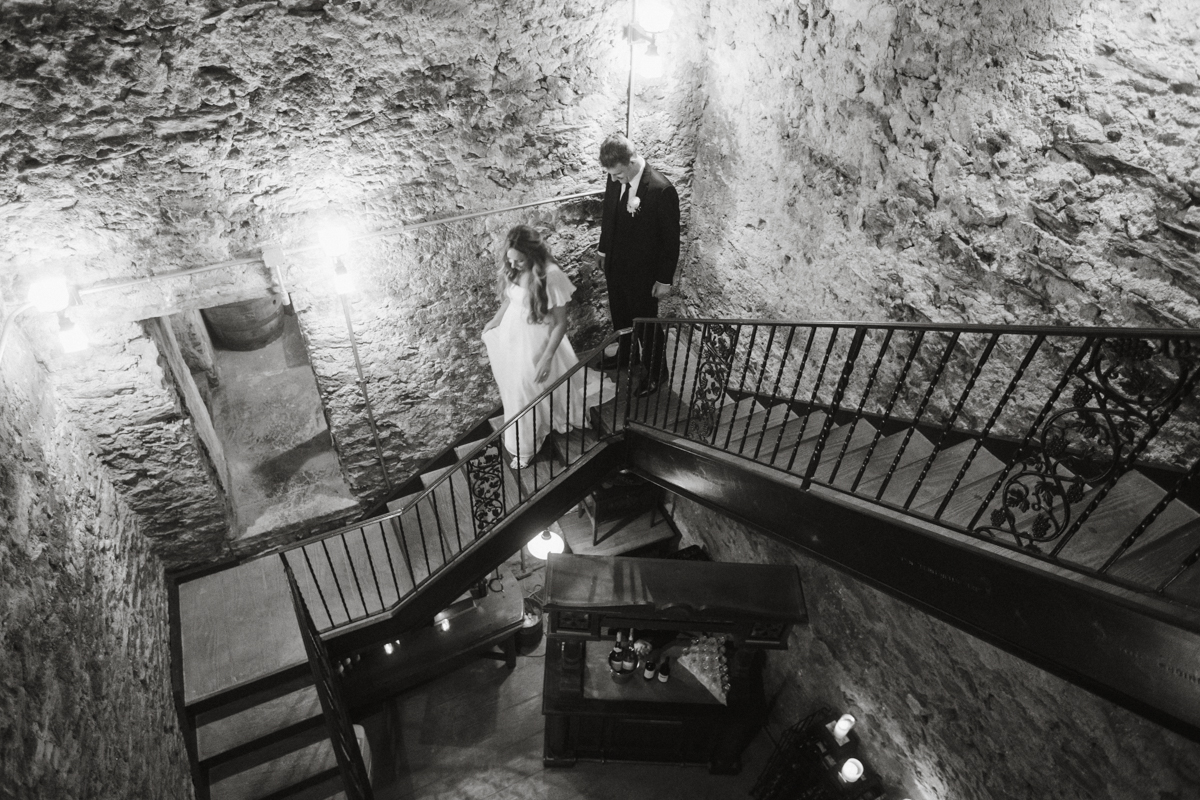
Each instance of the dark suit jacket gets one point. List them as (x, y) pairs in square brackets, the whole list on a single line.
[(642, 248)]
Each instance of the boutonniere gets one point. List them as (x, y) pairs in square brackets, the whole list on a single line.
[(633, 204)]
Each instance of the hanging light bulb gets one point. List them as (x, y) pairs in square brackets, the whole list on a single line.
[(547, 542), (72, 338), (343, 281), (49, 295), (389, 648), (445, 624), (651, 63), (654, 15)]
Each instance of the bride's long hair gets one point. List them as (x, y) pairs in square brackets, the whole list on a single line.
[(528, 242)]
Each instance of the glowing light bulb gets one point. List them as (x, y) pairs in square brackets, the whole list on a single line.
[(50, 294), (389, 648), (334, 240), (445, 625), (851, 771), (651, 63), (842, 727), (547, 542), (654, 15), (343, 281), (70, 336)]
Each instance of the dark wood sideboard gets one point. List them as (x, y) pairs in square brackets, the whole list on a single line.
[(590, 716)]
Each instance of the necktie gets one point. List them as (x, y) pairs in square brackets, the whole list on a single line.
[(624, 192)]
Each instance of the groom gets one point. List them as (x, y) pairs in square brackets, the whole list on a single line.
[(639, 249)]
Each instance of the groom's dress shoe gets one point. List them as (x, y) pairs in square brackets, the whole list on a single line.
[(649, 386)]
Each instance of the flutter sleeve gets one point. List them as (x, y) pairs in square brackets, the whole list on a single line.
[(558, 288)]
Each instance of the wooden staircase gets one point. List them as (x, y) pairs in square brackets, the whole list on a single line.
[(245, 690)]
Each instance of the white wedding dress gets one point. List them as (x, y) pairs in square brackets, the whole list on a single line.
[(513, 348)]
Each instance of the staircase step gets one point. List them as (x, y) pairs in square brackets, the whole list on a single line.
[(421, 537), (860, 436), (255, 723), (1149, 564), (876, 459), (237, 626), (940, 475), (310, 762), (749, 437), (858, 447), (572, 446), (965, 502), (778, 442), (1123, 508), (298, 736)]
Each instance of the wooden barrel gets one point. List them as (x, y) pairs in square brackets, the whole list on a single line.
[(248, 325)]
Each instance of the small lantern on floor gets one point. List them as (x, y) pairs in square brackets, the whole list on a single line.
[(851, 771), (841, 728)]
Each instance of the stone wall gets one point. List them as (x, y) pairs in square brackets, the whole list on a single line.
[(1004, 161), (85, 696), (943, 715), (144, 138), (122, 394)]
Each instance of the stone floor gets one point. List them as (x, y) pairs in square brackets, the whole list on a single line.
[(283, 468), (476, 734)]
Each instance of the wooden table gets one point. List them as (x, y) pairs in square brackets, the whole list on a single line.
[(589, 716)]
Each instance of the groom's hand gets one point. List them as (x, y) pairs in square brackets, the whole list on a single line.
[(660, 290)]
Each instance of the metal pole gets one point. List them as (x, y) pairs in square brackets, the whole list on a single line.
[(629, 84), (362, 386)]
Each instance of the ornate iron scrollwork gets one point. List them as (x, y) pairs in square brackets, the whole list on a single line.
[(717, 345), (1124, 392), (485, 478)]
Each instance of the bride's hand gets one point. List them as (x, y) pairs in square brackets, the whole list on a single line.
[(541, 371)]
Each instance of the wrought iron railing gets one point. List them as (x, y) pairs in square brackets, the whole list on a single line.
[(1016, 435), (370, 568), (356, 783)]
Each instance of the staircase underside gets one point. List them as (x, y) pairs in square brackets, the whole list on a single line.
[(1133, 648)]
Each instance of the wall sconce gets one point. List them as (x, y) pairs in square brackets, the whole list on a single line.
[(547, 542), (652, 63), (650, 18), (70, 336), (50, 296), (343, 281)]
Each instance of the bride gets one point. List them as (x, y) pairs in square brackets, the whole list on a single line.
[(528, 348)]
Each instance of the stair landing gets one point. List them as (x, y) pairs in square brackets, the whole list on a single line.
[(237, 625)]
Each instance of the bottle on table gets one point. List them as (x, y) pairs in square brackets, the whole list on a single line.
[(664, 670), (617, 653), (629, 658), (650, 670)]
